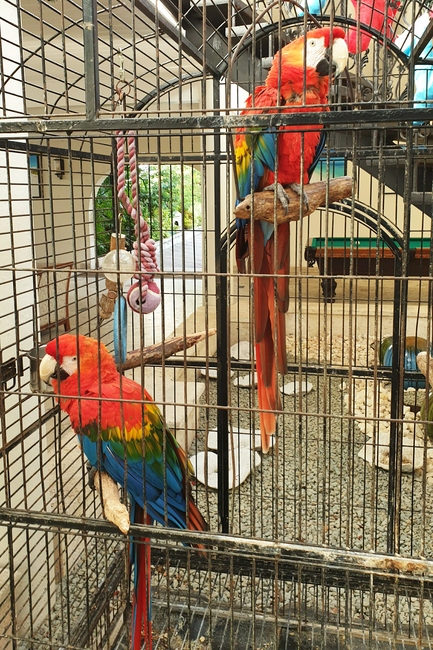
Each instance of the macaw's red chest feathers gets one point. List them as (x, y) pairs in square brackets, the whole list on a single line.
[(299, 85)]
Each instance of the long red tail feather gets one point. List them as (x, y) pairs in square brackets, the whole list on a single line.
[(141, 603), (268, 399)]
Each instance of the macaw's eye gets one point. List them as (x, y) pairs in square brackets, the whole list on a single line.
[(74, 358), (313, 43)]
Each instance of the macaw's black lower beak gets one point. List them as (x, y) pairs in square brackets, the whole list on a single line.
[(325, 66), (59, 373)]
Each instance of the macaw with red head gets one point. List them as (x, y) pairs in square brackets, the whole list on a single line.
[(122, 432), (298, 82)]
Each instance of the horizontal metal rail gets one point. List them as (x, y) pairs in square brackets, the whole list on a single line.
[(304, 558), (366, 119), (379, 372)]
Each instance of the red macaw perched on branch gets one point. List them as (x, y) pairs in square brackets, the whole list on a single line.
[(122, 433), (298, 81)]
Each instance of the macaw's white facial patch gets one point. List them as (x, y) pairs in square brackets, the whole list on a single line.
[(315, 51)]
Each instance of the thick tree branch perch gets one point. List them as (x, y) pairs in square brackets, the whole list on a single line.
[(316, 193), (154, 353), (113, 509)]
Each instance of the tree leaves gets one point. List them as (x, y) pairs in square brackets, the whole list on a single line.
[(163, 191)]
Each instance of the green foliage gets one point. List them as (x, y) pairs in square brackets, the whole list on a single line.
[(188, 219), (163, 191), (104, 217)]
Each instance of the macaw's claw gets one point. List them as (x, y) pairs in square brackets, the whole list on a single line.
[(91, 471), (281, 194), (300, 192)]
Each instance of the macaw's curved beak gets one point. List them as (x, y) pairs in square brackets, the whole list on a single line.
[(339, 55), (47, 368)]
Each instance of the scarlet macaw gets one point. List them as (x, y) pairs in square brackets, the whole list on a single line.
[(122, 432), (298, 81)]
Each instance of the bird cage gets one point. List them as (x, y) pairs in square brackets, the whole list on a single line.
[(112, 112)]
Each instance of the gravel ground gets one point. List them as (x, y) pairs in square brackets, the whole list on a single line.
[(73, 594), (314, 488)]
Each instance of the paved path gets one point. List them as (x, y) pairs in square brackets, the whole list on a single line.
[(182, 252)]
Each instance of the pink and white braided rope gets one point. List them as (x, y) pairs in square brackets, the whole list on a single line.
[(144, 295)]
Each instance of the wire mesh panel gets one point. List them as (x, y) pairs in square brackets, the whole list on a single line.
[(120, 130)]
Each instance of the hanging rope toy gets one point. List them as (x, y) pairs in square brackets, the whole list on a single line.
[(144, 295)]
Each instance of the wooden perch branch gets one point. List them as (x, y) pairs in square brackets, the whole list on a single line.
[(425, 364), (316, 193), (113, 509), (154, 353)]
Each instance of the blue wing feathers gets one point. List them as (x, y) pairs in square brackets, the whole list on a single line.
[(161, 501)]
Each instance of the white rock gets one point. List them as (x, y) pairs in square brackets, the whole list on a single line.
[(294, 387), (244, 463), (245, 380), (381, 449), (412, 456), (242, 438), (241, 350), (409, 434), (212, 373), (209, 477)]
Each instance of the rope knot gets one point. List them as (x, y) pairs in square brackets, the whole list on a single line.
[(143, 296)]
